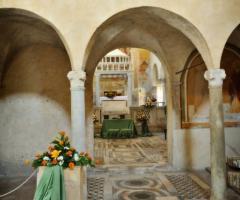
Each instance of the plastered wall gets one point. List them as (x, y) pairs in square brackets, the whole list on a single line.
[(191, 147), (34, 105)]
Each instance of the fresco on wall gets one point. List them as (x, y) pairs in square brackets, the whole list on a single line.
[(197, 103), (117, 84), (231, 86)]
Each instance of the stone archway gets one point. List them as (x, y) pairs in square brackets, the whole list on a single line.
[(34, 91), (157, 30)]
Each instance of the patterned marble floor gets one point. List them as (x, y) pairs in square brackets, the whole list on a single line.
[(136, 169), (134, 151), (145, 184)]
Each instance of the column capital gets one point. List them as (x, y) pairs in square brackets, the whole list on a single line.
[(215, 77), (77, 79), (130, 74), (97, 74)]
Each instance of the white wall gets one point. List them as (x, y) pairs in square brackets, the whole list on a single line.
[(191, 147), (34, 106)]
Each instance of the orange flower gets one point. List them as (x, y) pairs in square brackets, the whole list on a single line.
[(54, 161), (72, 149), (98, 162), (82, 153), (62, 133), (38, 155), (86, 154), (89, 158), (69, 153), (61, 143), (27, 162), (50, 148), (44, 163), (71, 165)]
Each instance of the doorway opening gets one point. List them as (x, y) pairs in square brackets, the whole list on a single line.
[(129, 99)]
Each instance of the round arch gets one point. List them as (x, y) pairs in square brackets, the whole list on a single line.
[(152, 28), (157, 15), (33, 67), (234, 33), (229, 63), (20, 12)]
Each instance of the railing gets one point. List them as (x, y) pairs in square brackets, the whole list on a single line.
[(113, 67)]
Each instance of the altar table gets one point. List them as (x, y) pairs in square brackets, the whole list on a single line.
[(118, 128)]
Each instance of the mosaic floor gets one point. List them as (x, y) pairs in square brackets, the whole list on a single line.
[(145, 184), (134, 151), (131, 169)]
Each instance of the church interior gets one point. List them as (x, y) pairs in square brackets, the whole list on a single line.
[(147, 89)]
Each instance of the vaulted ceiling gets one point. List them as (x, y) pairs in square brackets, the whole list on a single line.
[(21, 29)]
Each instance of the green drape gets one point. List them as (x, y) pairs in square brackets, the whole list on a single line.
[(118, 128), (51, 185)]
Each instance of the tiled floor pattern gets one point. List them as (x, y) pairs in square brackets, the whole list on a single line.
[(95, 188), (187, 187), (134, 169), (146, 184), (131, 151)]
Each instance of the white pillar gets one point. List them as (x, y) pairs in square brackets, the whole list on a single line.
[(129, 93), (78, 135), (218, 162), (163, 85), (97, 89)]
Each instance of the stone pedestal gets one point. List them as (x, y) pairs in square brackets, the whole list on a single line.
[(75, 182), (218, 162)]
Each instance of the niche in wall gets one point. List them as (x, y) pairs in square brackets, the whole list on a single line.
[(195, 94)]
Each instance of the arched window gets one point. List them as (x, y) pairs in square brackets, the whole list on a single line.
[(194, 91)]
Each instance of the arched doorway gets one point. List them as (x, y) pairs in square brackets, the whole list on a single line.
[(123, 84), (163, 37)]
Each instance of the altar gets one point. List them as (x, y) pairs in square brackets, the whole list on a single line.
[(118, 128)]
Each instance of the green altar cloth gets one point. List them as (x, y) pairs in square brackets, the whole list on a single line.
[(118, 128), (51, 185)]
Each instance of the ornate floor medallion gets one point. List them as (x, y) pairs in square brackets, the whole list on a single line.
[(138, 189), (145, 181)]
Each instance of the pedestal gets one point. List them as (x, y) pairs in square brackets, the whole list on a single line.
[(75, 182)]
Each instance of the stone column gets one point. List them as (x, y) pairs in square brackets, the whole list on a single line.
[(129, 93), (97, 89), (163, 85), (218, 163), (78, 135)]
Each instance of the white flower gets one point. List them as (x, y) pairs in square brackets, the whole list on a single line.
[(61, 162), (60, 158), (76, 157), (46, 158), (67, 148)]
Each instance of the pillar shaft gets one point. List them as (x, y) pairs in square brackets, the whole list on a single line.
[(97, 89), (129, 90), (218, 162), (78, 135), (163, 85)]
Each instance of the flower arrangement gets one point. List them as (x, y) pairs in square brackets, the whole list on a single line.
[(149, 103), (94, 118), (61, 153), (110, 94), (141, 116)]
